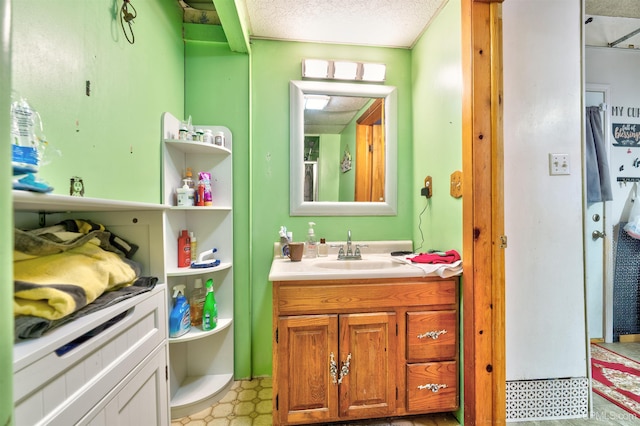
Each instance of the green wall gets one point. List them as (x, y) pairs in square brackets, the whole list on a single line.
[(110, 138), (436, 71), (217, 93), (274, 64)]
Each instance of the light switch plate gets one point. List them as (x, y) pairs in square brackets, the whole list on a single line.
[(559, 164)]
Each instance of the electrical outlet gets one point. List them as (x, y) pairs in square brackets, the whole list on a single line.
[(559, 164), (427, 189)]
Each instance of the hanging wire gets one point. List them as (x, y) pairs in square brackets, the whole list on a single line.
[(417, 250), (127, 17)]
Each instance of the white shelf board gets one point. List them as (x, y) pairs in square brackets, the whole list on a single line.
[(197, 333), (190, 147), (32, 201), (194, 389), (184, 272), (200, 208)]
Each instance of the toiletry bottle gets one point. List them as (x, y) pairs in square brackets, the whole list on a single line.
[(188, 181), (323, 248), (210, 310), (180, 318), (196, 302), (182, 195), (194, 247), (188, 178), (200, 195), (311, 246), (184, 249)]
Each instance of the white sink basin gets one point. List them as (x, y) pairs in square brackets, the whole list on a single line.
[(363, 264)]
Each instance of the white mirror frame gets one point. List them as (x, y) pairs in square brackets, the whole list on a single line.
[(299, 207)]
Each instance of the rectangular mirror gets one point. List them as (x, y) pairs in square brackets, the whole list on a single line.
[(344, 150)]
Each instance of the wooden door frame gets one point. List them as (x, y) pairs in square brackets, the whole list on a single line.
[(483, 214)]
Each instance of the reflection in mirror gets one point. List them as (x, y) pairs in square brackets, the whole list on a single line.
[(343, 150)]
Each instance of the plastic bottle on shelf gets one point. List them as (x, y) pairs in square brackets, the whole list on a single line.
[(180, 317), (194, 247), (188, 181), (184, 249), (210, 309), (196, 302), (311, 245), (323, 248)]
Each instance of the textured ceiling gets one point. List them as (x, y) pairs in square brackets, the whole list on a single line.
[(396, 23), (611, 20)]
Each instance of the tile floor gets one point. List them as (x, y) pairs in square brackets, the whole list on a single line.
[(249, 404)]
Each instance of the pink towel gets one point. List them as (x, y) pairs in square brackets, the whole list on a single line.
[(446, 257)]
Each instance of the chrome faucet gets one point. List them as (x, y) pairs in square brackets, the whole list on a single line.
[(350, 254)]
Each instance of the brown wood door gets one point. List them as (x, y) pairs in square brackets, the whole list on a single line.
[(305, 344), (368, 349), (370, 154)]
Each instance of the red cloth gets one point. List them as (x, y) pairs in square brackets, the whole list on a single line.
[(448, 257)]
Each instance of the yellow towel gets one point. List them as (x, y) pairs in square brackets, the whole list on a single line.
[(56, 285)]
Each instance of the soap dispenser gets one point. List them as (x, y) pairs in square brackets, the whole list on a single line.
[(311, 245)]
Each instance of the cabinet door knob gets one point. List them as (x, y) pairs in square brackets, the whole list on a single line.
[(333, 369), (345, 368), (433, 334), (433, 387)]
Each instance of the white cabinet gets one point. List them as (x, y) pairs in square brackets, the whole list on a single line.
[(103, 379), (201, 362)]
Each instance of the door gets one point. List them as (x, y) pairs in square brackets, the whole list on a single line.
[(368, 351), (370, 154), (597, 237), (306, 346)]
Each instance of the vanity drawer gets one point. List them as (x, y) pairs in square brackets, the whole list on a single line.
[(432, 335), (432, 387), (319, 297)]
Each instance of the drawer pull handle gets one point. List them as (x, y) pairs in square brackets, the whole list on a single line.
[(345, 368), (333, 369), (433, 387), (433, 334)]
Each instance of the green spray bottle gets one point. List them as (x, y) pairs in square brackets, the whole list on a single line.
[(210, 309)]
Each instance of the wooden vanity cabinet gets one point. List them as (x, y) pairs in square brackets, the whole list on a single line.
[(368, 348)]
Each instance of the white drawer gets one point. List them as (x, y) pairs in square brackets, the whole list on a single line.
[(60, 389)]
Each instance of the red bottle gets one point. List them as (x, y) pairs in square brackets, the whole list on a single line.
[(184, 249), (200, 195)]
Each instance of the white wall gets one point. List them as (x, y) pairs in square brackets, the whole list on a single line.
[(618, 69), (545, 314)]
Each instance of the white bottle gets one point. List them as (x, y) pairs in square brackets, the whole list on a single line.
[(311, 245), (323, 248)]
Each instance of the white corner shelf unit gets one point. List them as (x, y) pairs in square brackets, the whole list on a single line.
[(201, 362), (105, 379)]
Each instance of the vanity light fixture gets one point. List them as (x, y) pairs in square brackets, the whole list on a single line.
[(317, 102), (315, 68), (343, 70)]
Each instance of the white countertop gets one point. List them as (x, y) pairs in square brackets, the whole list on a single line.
[(376, 262)]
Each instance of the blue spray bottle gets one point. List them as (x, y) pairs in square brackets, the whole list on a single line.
[(180, 317)]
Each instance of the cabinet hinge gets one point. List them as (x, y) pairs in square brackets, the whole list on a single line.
[(276, 335), (166, 373), (503, 241), (396, 329), (277, 401), (396, 394), (371, 148)]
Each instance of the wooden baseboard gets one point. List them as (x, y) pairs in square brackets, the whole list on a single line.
[(597, 340), (627, 338)]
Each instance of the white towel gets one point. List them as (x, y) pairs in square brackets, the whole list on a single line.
[(443, 270)]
